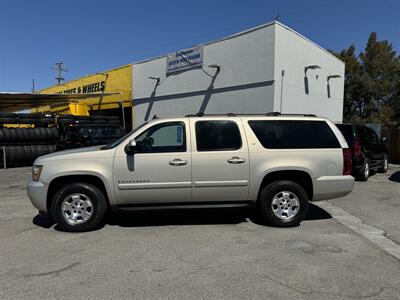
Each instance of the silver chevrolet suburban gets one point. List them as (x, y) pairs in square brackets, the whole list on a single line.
[(276, 163)]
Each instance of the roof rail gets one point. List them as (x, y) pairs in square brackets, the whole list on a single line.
[(274, 113)]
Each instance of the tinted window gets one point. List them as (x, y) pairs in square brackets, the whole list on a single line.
[(164, 137), (294, 134), (362, 133), (217, 136), (348, 132), (372, 136)]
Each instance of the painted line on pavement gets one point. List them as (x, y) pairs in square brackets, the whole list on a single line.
[(371, 233)]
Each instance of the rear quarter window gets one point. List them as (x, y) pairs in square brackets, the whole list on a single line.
[(294, 134)]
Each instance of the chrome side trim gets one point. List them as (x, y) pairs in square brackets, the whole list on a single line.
[(221, 183), (156, 185)]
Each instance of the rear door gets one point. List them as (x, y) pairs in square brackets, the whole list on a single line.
[(220, 160), (366, 146), (375, 147)]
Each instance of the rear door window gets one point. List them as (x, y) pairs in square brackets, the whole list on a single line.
[(294, 134), (217, 136), (372, 136), (348, 133)]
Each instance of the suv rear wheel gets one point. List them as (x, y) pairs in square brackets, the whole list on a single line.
[(363, 174), (283, 203), (78, 207), (385, 164)]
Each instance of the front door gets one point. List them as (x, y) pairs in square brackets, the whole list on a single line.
[(160, 170), (220, 160)]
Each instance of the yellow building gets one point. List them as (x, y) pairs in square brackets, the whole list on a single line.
[(114, 80)]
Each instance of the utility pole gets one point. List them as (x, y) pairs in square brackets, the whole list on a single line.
[(59, 68), (33, 86)]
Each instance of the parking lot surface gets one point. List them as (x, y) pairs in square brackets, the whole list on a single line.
[(199, 255)]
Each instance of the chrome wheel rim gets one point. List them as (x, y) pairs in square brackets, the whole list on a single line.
[(385, 163), (285, 205), (77, 209), (366, 170)]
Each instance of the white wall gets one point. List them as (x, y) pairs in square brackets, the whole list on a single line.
[(244, 84), (292, 53), (249, 80)]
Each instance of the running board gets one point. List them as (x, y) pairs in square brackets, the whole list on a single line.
[(182, 206)]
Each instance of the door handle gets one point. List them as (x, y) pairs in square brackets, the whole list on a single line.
[(178, 162), (236, 160)]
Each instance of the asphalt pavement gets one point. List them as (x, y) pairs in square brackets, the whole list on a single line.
[(202, 255)]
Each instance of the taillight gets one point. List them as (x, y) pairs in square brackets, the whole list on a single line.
[(356, 149), (346, 161)]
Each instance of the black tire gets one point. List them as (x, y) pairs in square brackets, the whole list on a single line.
[(7, 134), (13, 135), (66, 116), (363, 173), (384, 165), (8, 120), (96, 196), (274, 189), (8, 115), (99, 121), (37, 134), (28, 121), (67, 121), (20, 135), (35, 151), (42, 134), (46, 121), (2, 135), (55, 134)]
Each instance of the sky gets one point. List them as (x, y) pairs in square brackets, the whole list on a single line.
[(91, 36)]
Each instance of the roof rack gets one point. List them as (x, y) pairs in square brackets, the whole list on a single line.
[(274, 113)]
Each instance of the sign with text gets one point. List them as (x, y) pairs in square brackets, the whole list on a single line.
[(185, 59)]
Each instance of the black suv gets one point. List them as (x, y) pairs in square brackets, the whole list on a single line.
[(368, 151), (89, 135)]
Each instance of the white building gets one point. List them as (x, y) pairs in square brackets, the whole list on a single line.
[(263, 69)]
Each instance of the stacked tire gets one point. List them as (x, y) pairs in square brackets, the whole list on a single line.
[(8, 118), (38, 119), (65, 120), (25, 155), (24, 145)]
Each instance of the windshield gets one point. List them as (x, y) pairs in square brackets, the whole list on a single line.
[(120, 140)]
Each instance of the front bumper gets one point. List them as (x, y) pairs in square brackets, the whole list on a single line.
[(37, 192), (330, 187)]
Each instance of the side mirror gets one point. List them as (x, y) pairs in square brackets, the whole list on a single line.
[(384, 139), (131, 147)]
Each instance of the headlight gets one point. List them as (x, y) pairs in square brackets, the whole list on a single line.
[(36, 170)]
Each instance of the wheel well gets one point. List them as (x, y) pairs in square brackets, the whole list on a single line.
[(300, 177), (58, 182)]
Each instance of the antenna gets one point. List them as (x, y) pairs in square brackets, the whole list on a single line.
[(59, 68)]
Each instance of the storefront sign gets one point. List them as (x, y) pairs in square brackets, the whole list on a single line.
[(185, 59), (87, 88)]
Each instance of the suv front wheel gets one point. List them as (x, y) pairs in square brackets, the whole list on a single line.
[(283, 203), (78, 207)]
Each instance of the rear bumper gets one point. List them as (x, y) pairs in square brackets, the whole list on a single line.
[(37, 192), (330, 187)]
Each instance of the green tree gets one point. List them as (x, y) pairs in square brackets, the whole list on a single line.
[(372, 83)]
